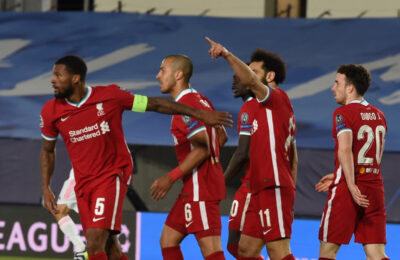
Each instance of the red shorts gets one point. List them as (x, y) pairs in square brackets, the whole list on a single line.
[(201, 218), (342, 217), (239, 207), (270, 214), (100, 206)]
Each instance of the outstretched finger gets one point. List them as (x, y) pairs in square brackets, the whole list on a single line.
[(211, 42), (226, 122)]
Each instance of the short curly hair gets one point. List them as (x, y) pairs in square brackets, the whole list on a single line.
[(74, 65), (271, 62), (357, 75)]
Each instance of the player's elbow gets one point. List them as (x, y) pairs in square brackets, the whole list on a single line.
[(222, 140), (203, 152), (251, 82)]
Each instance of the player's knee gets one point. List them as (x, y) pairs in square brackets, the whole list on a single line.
[(210, 245), (96, 240), (328, 250), (375, 251), (377, 257), (63, 210), (278, 249), (276, 254), (246, 248)]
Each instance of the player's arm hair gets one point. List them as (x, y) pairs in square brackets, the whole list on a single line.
[(167, 106), (239, 158), (47, 161), (222, 135), (247, 76), (345, 156), (199, 153), (294, 160)]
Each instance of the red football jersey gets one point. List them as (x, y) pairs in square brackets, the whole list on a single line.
[(206, 182), (368, 127), (92, 133), (245, 122), (273, 132)]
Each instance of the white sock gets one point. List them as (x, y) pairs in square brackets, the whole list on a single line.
[(68, 227)]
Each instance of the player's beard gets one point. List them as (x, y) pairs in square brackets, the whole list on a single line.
[(65, 94), (264, 79)]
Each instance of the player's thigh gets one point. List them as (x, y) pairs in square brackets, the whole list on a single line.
[(96, 240), (275, 212), (278, 249), (113, 248), (176, 219), (170, 237), (84, 212), (371, 228), (210, 245), (374, 251), (106, 203), (250, 246), (340, 216), (67, 194), (252, 226), (328, 250)]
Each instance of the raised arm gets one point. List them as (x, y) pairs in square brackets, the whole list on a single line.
[(167, 106), (241, 70), (47, 162), (200, 151)]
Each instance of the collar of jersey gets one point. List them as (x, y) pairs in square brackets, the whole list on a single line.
[(184, 92), (359, 101), (86, 97), (248, 99)]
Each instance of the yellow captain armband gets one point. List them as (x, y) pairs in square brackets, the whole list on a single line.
[(139, 103)]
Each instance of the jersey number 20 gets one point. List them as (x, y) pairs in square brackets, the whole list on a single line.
[(378, 137)]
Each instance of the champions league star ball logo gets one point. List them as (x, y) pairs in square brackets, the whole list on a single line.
[(187, 120), (244, 118), (339, 119), (100, 110)]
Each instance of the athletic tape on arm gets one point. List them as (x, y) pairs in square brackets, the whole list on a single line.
[(139, 103)]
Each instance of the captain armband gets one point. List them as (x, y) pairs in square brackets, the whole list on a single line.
[(139, 103)]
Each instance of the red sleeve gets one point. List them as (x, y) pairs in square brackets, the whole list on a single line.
[(341, 121), (246, 117), (123, 97), (49, 131), (191, 125)]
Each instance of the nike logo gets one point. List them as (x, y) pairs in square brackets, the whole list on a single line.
[(64, 118), (266, 232), (97, 219), (188, 224), (230, 219)]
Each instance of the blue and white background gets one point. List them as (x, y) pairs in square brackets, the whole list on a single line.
[(127, 49)]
